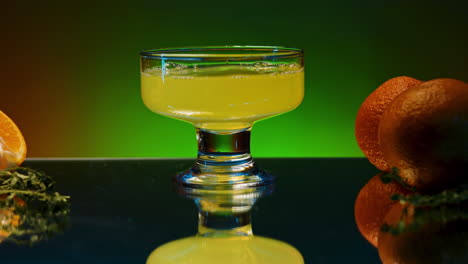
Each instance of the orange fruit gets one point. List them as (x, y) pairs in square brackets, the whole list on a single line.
[(372, 204), (424, 133), (12, 144), (432, 243), (369, 115)]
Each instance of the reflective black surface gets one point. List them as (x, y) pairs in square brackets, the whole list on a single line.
[(123, 209)]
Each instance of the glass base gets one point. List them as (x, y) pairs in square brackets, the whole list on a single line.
[(224, 176)]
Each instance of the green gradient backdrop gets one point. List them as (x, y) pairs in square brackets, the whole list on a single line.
[(70, 71)]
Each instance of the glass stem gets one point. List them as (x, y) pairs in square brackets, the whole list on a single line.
[(224, 224), (224, 161), (223, 149)]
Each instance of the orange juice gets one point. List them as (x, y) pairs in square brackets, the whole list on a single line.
[(224, 98)]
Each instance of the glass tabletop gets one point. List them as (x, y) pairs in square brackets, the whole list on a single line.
[(123, 209)]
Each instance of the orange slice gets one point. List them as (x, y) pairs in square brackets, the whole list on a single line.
[(12, 144)]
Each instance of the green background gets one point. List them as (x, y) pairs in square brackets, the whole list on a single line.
[(70, 69)]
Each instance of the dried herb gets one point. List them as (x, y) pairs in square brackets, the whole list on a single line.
[(446, 206), (28, 197), (456, 195), (393, 176), (422, 216)]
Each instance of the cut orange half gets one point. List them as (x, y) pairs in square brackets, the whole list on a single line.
[(12, 144)]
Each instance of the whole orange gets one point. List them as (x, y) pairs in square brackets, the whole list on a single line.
[(424, 133), (372, 204), (370, 113)]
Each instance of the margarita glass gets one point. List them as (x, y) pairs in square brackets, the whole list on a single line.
[(222, 91)]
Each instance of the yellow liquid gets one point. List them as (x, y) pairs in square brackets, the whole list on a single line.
[(230, 250), (223, 98)]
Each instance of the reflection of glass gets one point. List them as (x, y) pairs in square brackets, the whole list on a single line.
[(222, 91), (225, 233)]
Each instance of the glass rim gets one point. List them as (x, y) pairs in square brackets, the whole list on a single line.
[(244, 53)]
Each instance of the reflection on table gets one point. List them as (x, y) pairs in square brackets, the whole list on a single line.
[(225, 233)]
